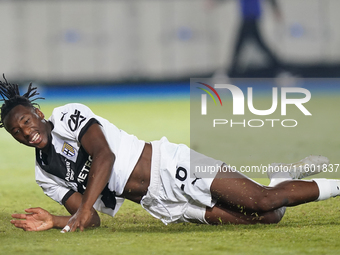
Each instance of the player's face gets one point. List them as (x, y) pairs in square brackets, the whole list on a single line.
[(28, 126)]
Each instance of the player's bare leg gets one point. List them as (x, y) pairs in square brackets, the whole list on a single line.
[(220, 215), (234, 190)]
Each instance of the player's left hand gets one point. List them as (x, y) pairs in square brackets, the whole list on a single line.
[(80, 219), (37, 219)]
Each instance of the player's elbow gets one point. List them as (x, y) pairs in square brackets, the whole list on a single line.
[(96, 223), (95, 220), (111, 156)]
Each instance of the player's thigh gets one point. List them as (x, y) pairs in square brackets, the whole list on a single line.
[(234, 188)]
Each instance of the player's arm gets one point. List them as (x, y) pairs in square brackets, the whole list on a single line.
[(38, 219), (95, 144), (72, 204)]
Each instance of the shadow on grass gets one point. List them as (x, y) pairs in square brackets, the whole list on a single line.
[(310, 215), (147, 226)]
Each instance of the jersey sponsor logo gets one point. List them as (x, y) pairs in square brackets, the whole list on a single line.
[(82, 176), (68, 150), (69, 171), (75, 120)]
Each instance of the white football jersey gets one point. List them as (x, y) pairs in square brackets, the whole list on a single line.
[(65, 168)]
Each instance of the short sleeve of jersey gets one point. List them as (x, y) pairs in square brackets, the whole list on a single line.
[(72, 120), (53, 187)]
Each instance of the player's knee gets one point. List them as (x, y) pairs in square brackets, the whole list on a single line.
[(273, 217), (265, 204)]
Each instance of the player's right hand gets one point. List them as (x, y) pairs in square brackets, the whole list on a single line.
[(36, 219), (80, 219)]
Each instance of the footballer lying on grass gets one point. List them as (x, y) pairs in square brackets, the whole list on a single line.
[(87, 164)]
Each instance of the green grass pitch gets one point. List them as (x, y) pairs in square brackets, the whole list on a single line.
[(307, 229)]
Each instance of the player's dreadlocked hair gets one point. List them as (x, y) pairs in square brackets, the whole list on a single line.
[(11, 96)]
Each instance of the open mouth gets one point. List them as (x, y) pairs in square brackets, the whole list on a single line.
[(35, 139)]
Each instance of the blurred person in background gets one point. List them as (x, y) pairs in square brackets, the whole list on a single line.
[(250, 30)]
